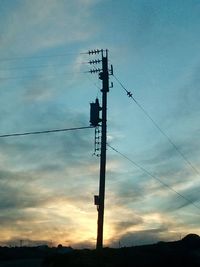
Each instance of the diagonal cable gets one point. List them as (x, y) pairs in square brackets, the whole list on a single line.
[(159, 128), (44, 132), (154, 177)]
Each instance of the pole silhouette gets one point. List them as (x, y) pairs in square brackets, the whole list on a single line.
[(104, 73), (104, 76)]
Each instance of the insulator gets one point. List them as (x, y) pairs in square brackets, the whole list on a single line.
[(95, 51), (94, 70), (129, 94), (96, 61)]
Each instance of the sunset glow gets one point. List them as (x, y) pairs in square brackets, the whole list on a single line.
[(48, 181)]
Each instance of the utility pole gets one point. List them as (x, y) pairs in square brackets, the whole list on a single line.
[(104, 77)]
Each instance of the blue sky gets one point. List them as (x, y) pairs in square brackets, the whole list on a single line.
[(48, 181)]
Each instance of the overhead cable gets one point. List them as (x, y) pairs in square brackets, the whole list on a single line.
[(44, 132), (154, 177), (159, 128), (40, 76), (35, 57), (26, 67)]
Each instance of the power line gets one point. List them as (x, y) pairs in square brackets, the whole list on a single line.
[(47, 56), (35, 57), (39, 76), (93, 83), (159, 128), (38, 66), (154, 177), (94, 51), (44, 132)]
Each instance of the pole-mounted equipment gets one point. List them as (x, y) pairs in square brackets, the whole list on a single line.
[(96, 121)]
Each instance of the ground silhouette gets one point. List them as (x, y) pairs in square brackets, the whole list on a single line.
[(182, 253)]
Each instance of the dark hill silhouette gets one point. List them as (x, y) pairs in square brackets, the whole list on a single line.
[(191, 238), (182, 253)]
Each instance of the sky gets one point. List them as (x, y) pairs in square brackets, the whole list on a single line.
[(47, 182)]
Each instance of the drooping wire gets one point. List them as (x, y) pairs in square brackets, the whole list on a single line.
[(95, 84), (39, 76), (35, 57), (159, 128), (97, 51), (36, 66), (44, 132), (154, 177)]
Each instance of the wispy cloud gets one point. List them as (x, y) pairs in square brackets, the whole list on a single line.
[(41, 25)]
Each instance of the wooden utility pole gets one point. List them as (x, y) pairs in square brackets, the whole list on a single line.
[(104, 76), (104, 73)]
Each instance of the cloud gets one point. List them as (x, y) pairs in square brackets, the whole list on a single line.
[(189, 93), (153, 228), (176, 202), (41, 25), (149, 236), (50, 184), (140, 194), (34, 212), (19, 191), (123, 226), (173, 170), (130, 190), (48, 181)]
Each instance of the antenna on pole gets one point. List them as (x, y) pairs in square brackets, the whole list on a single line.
[(104, 73)]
